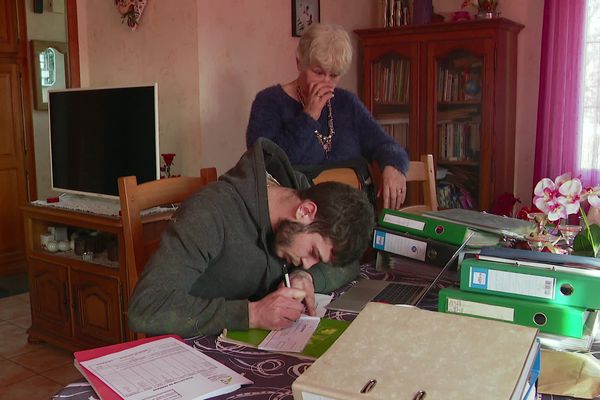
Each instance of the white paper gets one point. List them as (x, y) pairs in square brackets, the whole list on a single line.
[(524, 284), (292, 339), (322, 301), (164, 369), (481, 310)]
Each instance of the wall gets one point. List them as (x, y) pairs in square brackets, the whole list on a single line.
[(529, 13), (209, 59), (47, 26)]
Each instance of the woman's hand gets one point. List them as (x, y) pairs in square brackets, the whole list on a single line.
[(393, 188), (318, 95)]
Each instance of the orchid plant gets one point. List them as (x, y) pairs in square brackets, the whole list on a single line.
[(565, 196)]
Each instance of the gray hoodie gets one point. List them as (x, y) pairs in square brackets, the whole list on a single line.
[(215, 255)]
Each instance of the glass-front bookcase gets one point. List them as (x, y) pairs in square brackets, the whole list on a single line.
[(458, 127)]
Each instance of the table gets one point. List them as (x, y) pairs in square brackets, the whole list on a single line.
[(272, 373)]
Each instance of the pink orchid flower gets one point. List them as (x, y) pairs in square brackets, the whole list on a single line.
[(592, 195), (545, 195), (570, 191)]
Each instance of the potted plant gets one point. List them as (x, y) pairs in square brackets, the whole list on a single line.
[(486, 9)]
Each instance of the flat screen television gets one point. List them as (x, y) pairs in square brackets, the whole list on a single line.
[(98, 135)]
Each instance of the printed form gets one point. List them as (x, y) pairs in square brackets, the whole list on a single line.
[(294, 338), (164, 369)]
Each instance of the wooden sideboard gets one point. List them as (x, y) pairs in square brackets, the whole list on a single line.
[(77, 303)]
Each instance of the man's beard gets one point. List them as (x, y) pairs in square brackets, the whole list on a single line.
[(287, 230)]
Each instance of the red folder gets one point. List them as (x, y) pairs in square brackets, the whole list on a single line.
[(101, 388)]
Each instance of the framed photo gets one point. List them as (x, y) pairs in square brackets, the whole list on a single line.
[(304, 14)]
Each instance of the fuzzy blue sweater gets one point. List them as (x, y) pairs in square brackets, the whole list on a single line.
[(279, 117)]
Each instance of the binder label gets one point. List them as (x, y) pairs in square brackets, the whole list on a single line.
[(406, 222), (481, 310), (512, 282), (401, 245)]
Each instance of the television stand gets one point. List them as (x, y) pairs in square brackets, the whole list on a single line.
[(79, 303)]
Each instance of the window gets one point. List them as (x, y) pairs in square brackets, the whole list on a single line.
[(589, 147)]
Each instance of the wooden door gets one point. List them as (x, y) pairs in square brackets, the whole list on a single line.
[(48, 289), (96, 304), (13, 180), (9, 29)]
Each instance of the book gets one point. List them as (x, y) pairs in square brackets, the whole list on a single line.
[(547, 317), (540, 284), (327, 332), (482, 221), (540, 258), (423, 249), (125, 370), (407, 350), (427, 227)]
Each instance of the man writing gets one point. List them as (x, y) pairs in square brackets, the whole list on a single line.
[(219, 262)]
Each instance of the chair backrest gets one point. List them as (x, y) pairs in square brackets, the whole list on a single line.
[(140, 243), (343, 175), (420, 172)]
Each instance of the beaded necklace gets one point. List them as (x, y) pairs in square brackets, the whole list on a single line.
[(325, 141)]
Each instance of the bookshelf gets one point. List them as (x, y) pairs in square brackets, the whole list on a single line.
[(448, 89)]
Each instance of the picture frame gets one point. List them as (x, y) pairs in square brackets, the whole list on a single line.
[(50, 70), (304, 14)]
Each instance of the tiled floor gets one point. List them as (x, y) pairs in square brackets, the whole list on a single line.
[(29, 371)]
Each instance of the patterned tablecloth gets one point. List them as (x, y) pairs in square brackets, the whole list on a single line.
[(272, 373)]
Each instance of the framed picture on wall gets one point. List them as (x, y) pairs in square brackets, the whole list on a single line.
[(304, 14)]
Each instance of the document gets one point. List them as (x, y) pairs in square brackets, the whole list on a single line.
[(164, 369), (293, 338)]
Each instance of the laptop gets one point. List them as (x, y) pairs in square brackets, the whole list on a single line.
[(367, 290)]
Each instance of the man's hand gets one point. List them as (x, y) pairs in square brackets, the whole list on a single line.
[(303, 280), (393, 188), (277, 310)]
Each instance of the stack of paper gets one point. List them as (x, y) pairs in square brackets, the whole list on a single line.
[(159, 367)]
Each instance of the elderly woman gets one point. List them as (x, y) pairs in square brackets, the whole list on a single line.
[(317, 123)]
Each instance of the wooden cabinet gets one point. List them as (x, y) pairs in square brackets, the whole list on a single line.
[(75, 303), (79, 303), (448, 89), (10, 29)]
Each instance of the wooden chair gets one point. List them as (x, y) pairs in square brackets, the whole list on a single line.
[(344, 175), (421, 172), (142, 240)]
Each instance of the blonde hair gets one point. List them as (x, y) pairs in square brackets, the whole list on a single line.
[(327, 46)]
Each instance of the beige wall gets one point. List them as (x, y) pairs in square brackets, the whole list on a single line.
[(47, 26), (211, 57)]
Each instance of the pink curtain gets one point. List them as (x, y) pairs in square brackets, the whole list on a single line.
[(558, 122)]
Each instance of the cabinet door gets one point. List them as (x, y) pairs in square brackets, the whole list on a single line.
[(391, 90), (8, 26), (48, 289), (96, 304), (460, 94)]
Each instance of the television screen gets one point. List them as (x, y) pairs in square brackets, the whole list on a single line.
[(98, 135)]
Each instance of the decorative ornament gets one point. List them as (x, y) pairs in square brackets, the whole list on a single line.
[(131, 11), (167, 163)]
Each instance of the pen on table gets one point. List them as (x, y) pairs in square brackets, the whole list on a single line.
[(286, 275), (420, 395)]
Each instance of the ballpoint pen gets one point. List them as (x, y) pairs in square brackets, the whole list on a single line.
[(286, 275)]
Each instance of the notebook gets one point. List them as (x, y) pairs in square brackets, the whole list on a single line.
[(366, 290)]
